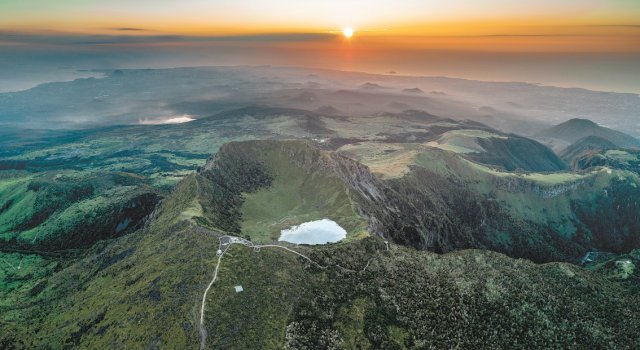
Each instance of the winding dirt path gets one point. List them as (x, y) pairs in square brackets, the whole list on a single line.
[(224, 243)]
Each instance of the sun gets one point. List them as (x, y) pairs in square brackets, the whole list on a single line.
[(347, 32)]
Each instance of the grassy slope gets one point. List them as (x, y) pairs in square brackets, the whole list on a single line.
[(18, 202), (463, 141), (297, 194), (622, 267), (45, 209), (123, 292), (576, 129), (520, 198), (564, 207), (506, 152)]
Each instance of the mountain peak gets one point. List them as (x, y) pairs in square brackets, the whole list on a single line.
[(580, 122), (577, 129)]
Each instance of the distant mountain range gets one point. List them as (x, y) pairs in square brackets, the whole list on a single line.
[(574, 130), (132, 96)]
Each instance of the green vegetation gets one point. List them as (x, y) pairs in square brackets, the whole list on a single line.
[(592, 152), (620, 155), (463, 141), (258, 188), (91, 257), (300, 192), (144, 290), (564, 208), (577, 130), (70, 209), (386, 160), (442, 203), (508, 152), (622, 268)]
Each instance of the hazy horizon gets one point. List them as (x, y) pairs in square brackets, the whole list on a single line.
[(24, 69), (591, 44)]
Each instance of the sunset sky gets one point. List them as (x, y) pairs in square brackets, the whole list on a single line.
[(619, 18), (295, 32)]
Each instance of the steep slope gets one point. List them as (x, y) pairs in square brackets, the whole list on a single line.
[(563, 135), (505, 151), (475, 141), (517, 152), (257, 188), (63, 210), (540, 217), (613, 158), (621, 267), (589, 144)]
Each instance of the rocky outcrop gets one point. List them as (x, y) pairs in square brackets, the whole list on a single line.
[(520, 185), (556, 190)]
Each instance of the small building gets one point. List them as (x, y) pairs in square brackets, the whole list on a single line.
[(238, 289)]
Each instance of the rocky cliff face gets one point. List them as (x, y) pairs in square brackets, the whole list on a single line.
[(519, 185), (556, 190)]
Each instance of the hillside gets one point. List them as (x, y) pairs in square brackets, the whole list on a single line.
[(446, 178), (257, 188), (144, 290), (442, 203), (66, 210), (589, 144), (571, 131), (507, 152), (110, 236), (612, 158)]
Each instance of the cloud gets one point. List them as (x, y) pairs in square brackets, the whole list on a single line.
[(616, 25), (129, 29), (174, 120), (276, 37), (53, 38), (530, 35)]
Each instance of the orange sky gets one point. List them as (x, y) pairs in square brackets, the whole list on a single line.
[(453, 25), (588, 43)]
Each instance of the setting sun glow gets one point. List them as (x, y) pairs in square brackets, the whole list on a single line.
[(347, 32)]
